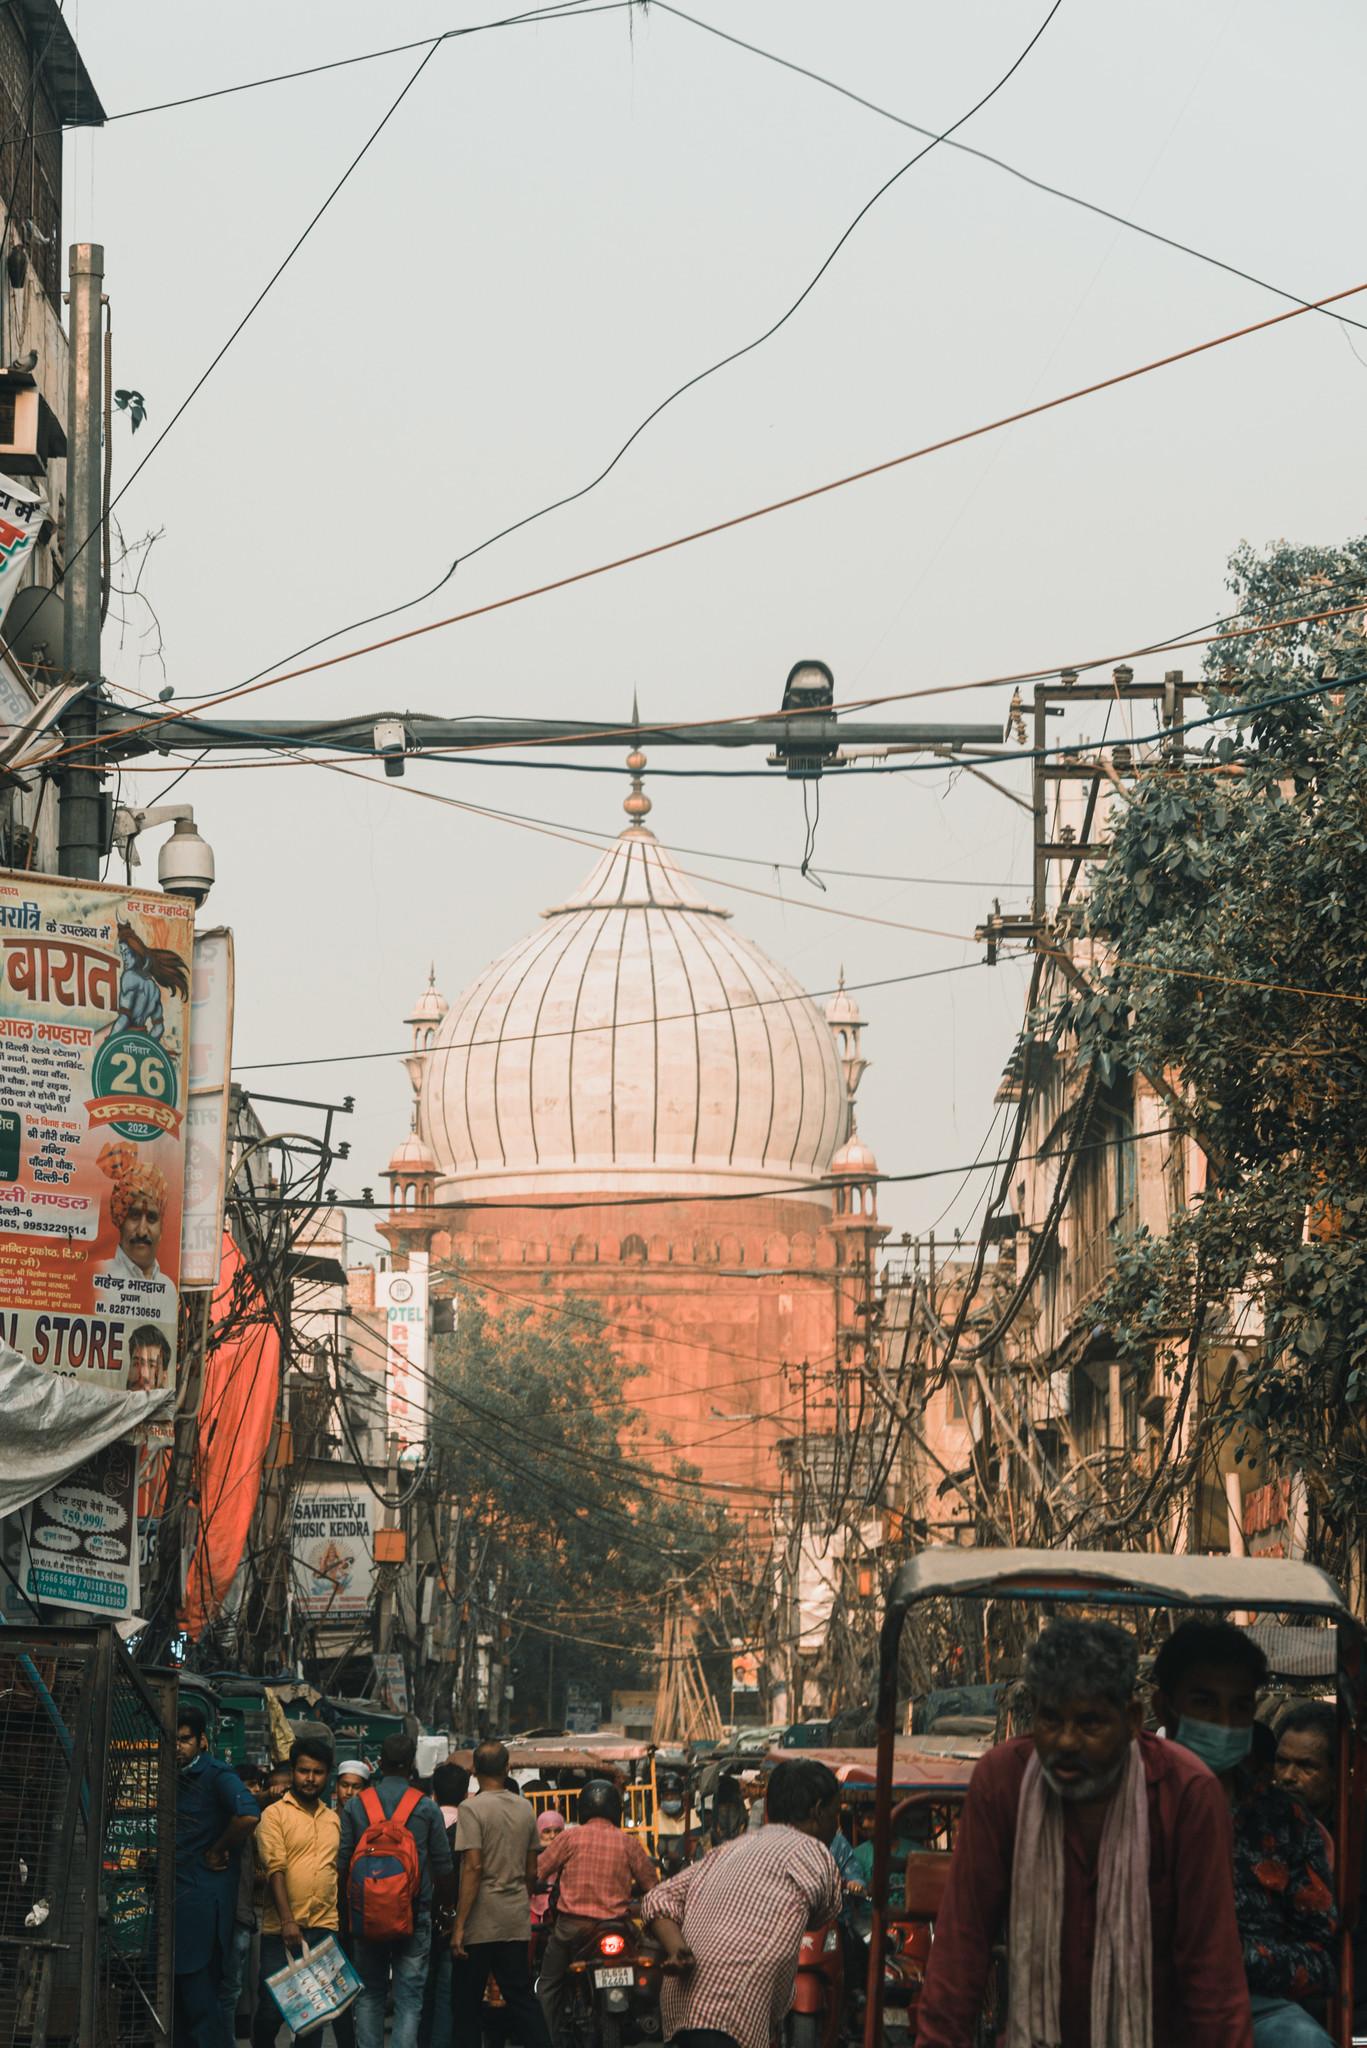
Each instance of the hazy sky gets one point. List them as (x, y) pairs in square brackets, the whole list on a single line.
[(561, 223)]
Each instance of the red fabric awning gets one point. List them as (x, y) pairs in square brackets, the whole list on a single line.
[(236, 1417)]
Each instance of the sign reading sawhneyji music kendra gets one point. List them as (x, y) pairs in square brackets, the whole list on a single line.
[(94, 1023)]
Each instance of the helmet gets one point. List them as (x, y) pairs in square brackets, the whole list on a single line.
[(600, 1800)]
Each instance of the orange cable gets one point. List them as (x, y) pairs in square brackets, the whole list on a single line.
[(759, 512), (642, 732)]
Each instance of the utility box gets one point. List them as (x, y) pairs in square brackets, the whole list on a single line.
[(31, 434)]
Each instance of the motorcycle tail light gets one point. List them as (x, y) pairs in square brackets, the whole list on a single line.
[(611, 1944)]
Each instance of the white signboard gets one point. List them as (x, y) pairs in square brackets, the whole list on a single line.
[(403, 1298), (81, 1539), (332, 1538), (206, 1110)]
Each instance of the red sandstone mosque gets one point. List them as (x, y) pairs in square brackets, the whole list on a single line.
[(636, 1105)]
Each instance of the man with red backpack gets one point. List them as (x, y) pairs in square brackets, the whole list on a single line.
[(392, 1857)]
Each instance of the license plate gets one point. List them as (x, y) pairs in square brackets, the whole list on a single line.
[(896, 2016), (610, 1980)]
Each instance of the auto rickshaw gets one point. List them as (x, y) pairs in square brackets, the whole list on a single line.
[(1278, 1588)]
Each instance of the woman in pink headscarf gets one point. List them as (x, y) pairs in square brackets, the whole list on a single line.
[(548, 1825)]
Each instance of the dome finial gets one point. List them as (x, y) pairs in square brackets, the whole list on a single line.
[(637, 805)]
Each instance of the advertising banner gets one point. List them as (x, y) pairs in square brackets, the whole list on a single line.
[(94, 1012), (81, 1538), (583, 1710), (21, 515), (391, 1681), (332, 1540), (403, 1298), (206, 1113), (745, 1671)]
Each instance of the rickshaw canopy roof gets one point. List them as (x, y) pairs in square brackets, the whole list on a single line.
[(913, 1769), (530, 1756), (1268, 1584)]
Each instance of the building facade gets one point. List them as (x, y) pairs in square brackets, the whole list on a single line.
[(634, 1106)]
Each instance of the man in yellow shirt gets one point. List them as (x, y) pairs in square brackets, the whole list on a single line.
[(296, 1846)]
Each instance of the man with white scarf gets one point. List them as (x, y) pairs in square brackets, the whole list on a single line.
[(1102, 1857)]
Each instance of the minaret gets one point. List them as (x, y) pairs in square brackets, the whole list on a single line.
[(412, 1172), (853, 1170), (847, 1028), (424, 1021)]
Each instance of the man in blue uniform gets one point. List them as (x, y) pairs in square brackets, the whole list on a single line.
[(215, 1813)]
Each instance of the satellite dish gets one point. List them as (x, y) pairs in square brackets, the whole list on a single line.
[(34, 625)]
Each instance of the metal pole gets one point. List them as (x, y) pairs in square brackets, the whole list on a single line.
[(163, 1602), (81, 810), (384, 1618)]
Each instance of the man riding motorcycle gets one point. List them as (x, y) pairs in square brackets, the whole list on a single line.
[(598, 1868)]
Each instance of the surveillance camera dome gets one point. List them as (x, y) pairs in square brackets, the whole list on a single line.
[(185, 865)]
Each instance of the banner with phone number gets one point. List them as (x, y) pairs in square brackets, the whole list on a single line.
[(94, 1028)]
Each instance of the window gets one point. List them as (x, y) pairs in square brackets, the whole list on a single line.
[(1125, 1170)]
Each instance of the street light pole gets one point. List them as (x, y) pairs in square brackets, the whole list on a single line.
[(81, 839)]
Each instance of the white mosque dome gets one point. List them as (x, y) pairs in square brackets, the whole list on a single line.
[(634, 1043)]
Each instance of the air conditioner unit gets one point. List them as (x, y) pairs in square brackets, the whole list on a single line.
[(31, 435)]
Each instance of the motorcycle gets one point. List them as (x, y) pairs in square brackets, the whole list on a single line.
[(612, 1987)]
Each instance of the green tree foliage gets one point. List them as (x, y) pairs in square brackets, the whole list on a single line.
[(1233, 908), (566, 1535)]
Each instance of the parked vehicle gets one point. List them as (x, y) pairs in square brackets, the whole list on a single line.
[(1223, 1585)]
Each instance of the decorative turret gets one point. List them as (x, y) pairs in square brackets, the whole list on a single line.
[(855, 1173), (411, 1174)]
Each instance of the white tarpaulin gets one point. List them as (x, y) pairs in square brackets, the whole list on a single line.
[(53, 1424)]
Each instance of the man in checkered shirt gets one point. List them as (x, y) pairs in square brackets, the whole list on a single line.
[(732, 1925), (596, 1869)]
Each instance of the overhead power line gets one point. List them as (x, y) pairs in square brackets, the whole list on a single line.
[(739, 519), (587, 1030), (485, 1206), (567, 10), (690, 384), (259, 300), (574, 10), (997, 163), (636, 731)]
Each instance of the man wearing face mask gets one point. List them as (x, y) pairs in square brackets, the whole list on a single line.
[(1103, 1857), (1206, 1678)]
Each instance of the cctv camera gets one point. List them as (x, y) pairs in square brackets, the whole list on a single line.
[(185, 865)]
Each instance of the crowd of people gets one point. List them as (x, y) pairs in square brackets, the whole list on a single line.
[(1144, 1888)]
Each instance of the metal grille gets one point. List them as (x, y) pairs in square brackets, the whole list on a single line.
[(137, 1894), (87, 1844)]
